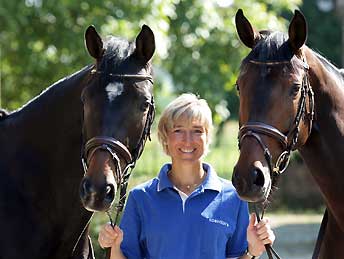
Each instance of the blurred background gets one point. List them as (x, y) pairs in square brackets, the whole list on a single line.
[(42, 41)]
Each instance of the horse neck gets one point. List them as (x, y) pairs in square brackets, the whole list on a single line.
[(323, 151), (45, 138), (50, 127), (41, 158), (55, 112)]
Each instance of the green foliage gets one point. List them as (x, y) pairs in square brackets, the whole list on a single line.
[(324, 31), (42, 41), (197, 46), (205, 52)]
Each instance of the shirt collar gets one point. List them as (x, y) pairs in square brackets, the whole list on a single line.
[(211, 182), (164, 181)]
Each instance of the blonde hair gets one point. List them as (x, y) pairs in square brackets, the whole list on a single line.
[(190, 107)]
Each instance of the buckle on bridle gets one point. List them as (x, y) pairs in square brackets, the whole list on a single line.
[(283, 160)]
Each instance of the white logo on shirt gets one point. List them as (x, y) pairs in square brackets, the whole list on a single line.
[(219, 221)]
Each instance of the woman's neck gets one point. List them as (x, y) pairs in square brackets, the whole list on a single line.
[(187, 177)]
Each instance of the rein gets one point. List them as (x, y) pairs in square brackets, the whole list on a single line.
[(287, 141), (118, 150), (269, 249)]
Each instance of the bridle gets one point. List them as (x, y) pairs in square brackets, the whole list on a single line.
[(117, 149), (288, 141)]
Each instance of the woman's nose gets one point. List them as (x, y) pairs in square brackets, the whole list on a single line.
[(188, 137)]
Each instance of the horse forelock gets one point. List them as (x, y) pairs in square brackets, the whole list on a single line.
[(273, 46), (118, 50)]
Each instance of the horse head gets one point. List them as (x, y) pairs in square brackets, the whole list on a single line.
[(276, 105), (118, 112)]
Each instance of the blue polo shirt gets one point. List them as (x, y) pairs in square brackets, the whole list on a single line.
[(212, 224)]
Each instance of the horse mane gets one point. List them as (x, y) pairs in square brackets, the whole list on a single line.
[(58, 88), (329, 65)]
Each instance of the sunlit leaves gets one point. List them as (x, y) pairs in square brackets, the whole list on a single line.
[(197, 46)]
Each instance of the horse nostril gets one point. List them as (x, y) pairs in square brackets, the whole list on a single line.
[(108, 189), (258, 177), (238, 182), (86, 187), (110, 192)]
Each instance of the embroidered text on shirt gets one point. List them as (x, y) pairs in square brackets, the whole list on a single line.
[(219, 221)]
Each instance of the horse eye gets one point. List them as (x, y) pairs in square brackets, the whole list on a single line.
[(145, 106), (295, 90)]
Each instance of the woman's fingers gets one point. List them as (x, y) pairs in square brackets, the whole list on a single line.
[(119, 234), (109, 230), (269, 235), (109, 236), (265, 232)]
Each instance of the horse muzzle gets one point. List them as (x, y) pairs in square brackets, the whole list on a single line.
[(253, 184), (97, 197)]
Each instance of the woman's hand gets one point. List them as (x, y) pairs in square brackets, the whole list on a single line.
[(258, 235), (110, 237)]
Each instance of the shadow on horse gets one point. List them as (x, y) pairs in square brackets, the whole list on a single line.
[(101, 113), (291, 98)]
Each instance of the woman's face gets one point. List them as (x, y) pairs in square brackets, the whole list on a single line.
[(187, 141)]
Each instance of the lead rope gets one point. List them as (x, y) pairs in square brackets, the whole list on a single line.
[(121, 201), (268, 247), (128, 169), (321, 235)]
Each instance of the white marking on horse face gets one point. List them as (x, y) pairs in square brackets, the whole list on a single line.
[(113, 90)]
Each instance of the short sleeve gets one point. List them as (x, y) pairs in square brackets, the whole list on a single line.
[(237, 244), (131, 226)]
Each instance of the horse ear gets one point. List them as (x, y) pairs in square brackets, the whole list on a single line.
[(245, 30), (94, 42), (297, 31), (145, 44)]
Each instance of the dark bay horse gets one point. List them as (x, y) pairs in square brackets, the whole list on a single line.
[(41, 144), (291, 98)]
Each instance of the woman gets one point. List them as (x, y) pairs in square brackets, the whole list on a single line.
[(187, 211)]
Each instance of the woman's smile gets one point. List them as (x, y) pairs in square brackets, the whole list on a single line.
[(187, 140), (187, 150)]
